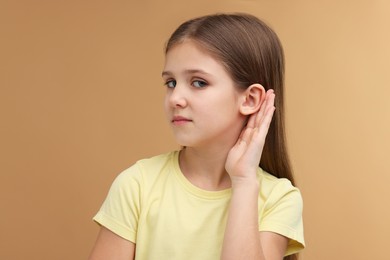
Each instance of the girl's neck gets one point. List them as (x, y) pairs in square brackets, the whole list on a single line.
[(205, 168)]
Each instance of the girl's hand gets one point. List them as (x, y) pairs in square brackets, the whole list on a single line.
[(244, 157)]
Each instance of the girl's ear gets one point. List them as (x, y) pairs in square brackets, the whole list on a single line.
[(252, 99)]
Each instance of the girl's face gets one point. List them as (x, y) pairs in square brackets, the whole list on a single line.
[(201, 103)]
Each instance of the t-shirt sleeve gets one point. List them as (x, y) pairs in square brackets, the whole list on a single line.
[(283, 215), (121, 209)]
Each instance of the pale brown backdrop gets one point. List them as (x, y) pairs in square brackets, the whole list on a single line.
[(81, 99)]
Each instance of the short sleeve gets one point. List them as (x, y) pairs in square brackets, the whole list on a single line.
[(121, 209), (283, 215)]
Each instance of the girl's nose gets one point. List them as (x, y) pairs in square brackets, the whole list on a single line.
[(177, 97)]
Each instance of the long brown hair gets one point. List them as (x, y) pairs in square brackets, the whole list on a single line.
[(251, 53)]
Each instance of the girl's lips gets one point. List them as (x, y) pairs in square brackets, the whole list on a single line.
[(179, 120)]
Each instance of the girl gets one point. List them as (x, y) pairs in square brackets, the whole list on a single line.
[(228, 193)]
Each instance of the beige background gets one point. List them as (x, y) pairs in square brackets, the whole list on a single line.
[(81, 99)]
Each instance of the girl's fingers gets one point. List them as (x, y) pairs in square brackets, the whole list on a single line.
[(247, 135), (248, 149), (257, 127), (260, 114), (251, 121), (267, 104), (263, 122), (263, 129), (254, 148)]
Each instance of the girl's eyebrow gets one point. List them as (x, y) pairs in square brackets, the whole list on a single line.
[(166, 73), (188, 71)]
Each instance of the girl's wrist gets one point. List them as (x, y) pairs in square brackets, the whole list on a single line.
[(246, 183)]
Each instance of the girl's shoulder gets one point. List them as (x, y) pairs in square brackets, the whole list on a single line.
[(148, 168), (157, 162), (272, 186)]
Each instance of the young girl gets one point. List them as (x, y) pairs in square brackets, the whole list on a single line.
[(228, 193)]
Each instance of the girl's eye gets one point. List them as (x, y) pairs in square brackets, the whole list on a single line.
[(171, 83), (199, 83)]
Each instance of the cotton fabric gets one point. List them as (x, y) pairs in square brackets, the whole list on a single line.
[(153, 205)]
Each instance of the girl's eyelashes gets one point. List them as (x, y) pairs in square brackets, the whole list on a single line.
[(170, 83), (195, 83), (199, 83)]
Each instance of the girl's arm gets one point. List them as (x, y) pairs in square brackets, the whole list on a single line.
[(111, 246), (242, 238)]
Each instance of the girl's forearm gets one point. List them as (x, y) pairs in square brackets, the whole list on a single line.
[(242, 240)]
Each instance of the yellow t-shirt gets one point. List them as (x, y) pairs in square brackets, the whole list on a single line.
[(153, 205)]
